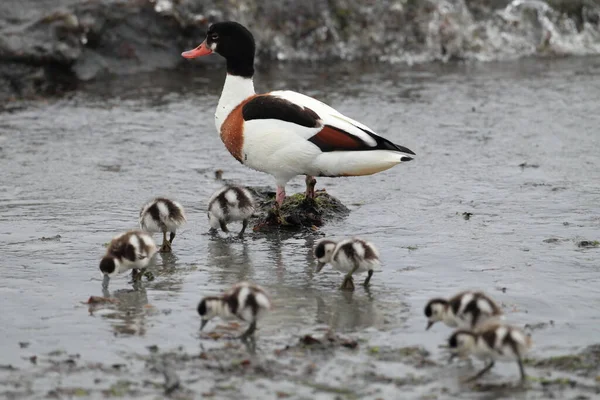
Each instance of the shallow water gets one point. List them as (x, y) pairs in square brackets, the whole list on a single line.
[(82, 166)]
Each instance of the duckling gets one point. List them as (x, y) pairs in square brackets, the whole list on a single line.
[(349, 256), (162, 215), (492, 342), (229, 204), (245, 301), (130, 250), (464, 310)]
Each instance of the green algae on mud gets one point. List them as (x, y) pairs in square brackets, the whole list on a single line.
[(297, 212), (585, 363)]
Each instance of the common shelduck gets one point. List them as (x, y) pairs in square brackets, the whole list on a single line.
[(162, 215), (230, 204), (493, 342), (245, 301), (465, 310), (284, 133), (130, 250), (348, 256)]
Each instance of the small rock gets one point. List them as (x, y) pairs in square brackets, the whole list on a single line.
[(467, 215), (23, 345)]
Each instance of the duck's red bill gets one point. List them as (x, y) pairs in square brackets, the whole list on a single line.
[(199, 51)]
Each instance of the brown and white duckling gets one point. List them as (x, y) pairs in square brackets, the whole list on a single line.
[(348, 256), (465, 310), (492, 342), (245, 301), (130, 250), (230, 204), (162, 215)]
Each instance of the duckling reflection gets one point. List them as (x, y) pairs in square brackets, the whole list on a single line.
[(168, 274), (348, 310), (130, 309), (227, 256), (168, 263)]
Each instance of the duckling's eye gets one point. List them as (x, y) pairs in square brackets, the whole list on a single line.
[(214, 37)]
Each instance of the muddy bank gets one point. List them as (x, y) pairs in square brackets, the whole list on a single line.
[(47, 47), (223, 368)]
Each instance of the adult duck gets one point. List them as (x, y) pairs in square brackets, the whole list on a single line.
[(284, 133)]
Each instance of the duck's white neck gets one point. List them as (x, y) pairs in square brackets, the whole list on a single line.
[(235, 90)]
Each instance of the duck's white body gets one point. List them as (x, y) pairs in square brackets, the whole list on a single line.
[(282, 149)]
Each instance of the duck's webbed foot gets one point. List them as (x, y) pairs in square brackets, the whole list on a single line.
[(348, 283), (166, 244)]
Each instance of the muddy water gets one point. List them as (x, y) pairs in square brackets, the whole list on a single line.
[(514, 143)]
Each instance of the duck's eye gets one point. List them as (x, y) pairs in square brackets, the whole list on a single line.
[(214, 37)]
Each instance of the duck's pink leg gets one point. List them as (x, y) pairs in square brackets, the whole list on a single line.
[(310, 187), (280, 196)]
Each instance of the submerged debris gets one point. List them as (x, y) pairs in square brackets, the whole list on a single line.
[(552, 240), (100, 300), (413, 355), (50, 238), (527, 165), (588, 243), (328, 341), (297, 212)]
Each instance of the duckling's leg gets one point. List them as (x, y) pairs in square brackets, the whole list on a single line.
[(369, 275), (166, 245), (249, 332), (310, 186), (480, 373), (244, 226), (223, 226), (348, 280), (171, 237), (521, 369), (136, 275)]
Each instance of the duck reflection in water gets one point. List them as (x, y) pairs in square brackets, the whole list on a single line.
[(130, 308), (344, 311), (227, 256)]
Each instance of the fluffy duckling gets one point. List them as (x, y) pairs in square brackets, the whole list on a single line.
[(348, 256), (465, 310), (229, 204), (162, 215), (130, 250), (245, 301), (492, 342)]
